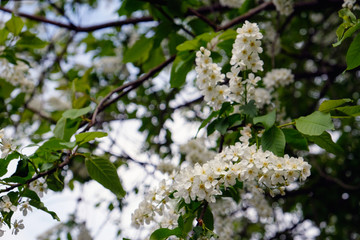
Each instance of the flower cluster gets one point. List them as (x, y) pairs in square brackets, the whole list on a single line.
[(196, 152), (271, 39), (241, 162), (157, 203), (284, 7), (348, 4), (232, 3), (17, 74), (8, 205), (278, 78), (245, 56), (209, 77), (258, 170), (7, 145), (246, 49)]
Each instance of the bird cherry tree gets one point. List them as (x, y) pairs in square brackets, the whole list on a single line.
[(270, 86)]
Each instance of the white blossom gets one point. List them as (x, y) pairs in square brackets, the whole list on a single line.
[(39, 186), (348, 4), (284, 7), (6, 205), (17, 226)]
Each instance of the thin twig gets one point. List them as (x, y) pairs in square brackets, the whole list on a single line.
[(334, 179), (131, 85), (43, 174), (205, 19)]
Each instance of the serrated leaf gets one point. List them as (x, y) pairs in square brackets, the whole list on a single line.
[(295, 139), (65, 128), (41, 206), (350, 110), (88, 136), (328, 105), (314, 124), (30, 194), (353, 54), (164, 233), (75, 113), (14, 25), (273, 140), (249, 109), (325, 141), (55, 144), (104, 172), (267, 120)]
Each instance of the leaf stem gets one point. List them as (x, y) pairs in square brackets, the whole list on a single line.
[(286, 124)]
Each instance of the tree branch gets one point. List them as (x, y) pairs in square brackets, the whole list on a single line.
[(127, 87), (247, 15), (43, 174)]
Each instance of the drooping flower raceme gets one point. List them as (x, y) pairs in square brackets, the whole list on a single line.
[(258, 170), (209, 77), (245, 56), (278, 78)]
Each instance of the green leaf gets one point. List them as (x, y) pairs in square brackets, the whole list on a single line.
[(40, 205), (104, 172), (328, 105), (14, 25), (207, 120), (55, 144), (221, 124), (249, 109), (229, 34), (22, 169), (180, 68), (189, 45), (164, 233), (350, 110), (314, 124), (348, 33), (156, 57), (30, 40), (30, 194), (295, 139), (139, 52), (3, 36), (5, 162), (267, 120), (88, 136), (208, 218), (273, 139), (353, 54), (65, 128), (325, 141), (75, 113)]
